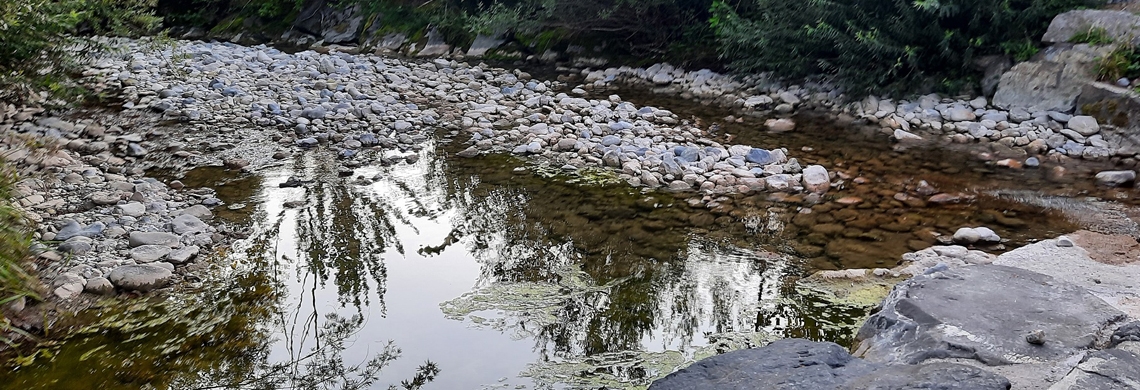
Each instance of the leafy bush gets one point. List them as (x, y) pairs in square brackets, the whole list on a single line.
[(642, 27), (38, 46), (870, 45), (1020, 50), (15, 282), (1094, 36)]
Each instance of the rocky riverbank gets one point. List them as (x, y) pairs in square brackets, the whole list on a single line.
[(1059, 314), (100, 224), (105, 226), (1014, 138)]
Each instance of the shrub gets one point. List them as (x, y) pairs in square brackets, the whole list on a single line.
[(15, 238), (38, 45), (870, 45)]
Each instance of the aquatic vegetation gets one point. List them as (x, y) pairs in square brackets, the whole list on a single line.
[(526, 307), (588, 176)]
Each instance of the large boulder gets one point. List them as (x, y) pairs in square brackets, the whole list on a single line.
[(984, 313), (1051, 82), (435, 45), (1118, 25), (483, 44), (1109, 265), (331, 22), (1115, 106), (802, 364)]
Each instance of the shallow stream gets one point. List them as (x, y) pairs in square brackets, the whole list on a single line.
[(451, 273)]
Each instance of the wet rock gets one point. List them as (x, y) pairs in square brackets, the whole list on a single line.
[(902, 135), (140, 277), (236, 163), (781, 124), (134, 150), (802, 364), (152, 238), (469, 152), (1127, 332), (982, 312), (1115, 178), (816, 179)]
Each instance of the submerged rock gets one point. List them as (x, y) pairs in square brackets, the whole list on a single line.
[(1115, 178), (802, 364)]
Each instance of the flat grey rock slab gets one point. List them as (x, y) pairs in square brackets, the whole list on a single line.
[(803, 364), (1111, 369), (984, 312), (153, 238), (1117, 284)]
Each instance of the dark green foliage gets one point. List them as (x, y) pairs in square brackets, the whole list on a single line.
[(38, 48), (1020, 50), (15, 237), (642, 28), (211, 13), (871, 45)]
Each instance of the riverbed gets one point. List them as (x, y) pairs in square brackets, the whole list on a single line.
[(444, 272)]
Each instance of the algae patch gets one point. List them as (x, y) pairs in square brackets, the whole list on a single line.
[(526, 307), (847, 296), (588, 176)]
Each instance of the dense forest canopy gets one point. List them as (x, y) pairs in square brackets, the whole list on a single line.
[(865, 45)]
